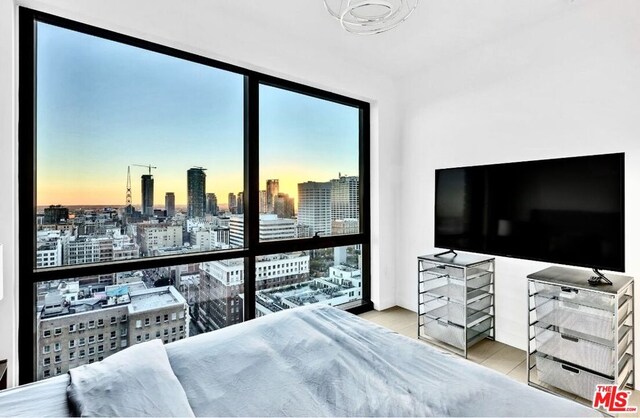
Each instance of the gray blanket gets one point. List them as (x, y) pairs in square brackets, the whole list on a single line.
[(312, 361), (321, 361)]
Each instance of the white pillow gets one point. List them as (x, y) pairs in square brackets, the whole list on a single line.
[(137, 381)]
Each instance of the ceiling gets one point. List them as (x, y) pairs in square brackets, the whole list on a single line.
[(436, 30)]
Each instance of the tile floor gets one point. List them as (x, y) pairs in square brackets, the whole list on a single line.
[(493, 354)]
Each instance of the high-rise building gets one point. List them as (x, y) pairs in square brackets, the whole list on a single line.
[(87, 249), (303, 231), (273, 188), (221, 285), (232, 203), (270, 228), (49, 252), (262, 201), (72, 331), (345, 226), (147, 194), (212, 204), (339, 256), (55, 214), (345, 202), (158, 236), (125, 250), (196, 179), (240, 203), (209, 239), (314, 206), (170, 203), (236, 231), (283, 206)]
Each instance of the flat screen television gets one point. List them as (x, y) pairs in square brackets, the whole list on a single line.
[(565, 211)]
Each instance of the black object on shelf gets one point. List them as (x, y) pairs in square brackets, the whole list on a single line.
[(599, 279), (445, 253)]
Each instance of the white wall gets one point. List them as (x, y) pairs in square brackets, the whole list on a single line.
[(228, 36), (569, 85), (565, 86)]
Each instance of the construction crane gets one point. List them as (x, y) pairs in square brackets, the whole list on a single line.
[(128, 186), (146, 166)]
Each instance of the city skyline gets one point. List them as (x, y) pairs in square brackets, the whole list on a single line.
[(160, 201), (103, 106), (107, 115)]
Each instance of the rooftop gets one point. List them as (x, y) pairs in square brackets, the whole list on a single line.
[(172, 250), (345, 268), (87, 238), (69, 308), (135, 296), (149, 299), (281, 256), (85, 305), (48, 246), (297, 295)]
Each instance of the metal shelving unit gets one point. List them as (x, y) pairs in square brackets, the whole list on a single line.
[(456, 300), (579, 335)]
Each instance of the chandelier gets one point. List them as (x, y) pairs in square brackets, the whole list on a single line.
[(368, 17)]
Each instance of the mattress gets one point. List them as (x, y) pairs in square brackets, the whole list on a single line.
[(321, 361), (47, 398)]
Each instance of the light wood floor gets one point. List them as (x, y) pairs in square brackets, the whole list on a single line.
[(493, 354)]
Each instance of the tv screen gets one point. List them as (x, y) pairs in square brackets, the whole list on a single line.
[(566, 211)]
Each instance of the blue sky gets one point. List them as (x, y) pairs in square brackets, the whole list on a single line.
[(102, 106)]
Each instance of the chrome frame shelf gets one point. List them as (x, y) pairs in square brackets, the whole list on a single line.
[(623, 294), (456, 294)]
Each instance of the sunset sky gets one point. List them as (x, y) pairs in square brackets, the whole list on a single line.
[(102, 106)]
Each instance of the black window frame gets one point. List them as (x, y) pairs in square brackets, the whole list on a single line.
[(29, 275)]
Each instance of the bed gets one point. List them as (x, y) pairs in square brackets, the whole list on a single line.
[(309, 361)]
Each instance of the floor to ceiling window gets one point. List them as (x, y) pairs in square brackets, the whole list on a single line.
[(165, 194)]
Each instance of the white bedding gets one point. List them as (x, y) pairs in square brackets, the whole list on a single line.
[(47, 398), (140, 383), (321, 361), (318, 361)]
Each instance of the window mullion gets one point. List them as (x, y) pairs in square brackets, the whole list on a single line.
[(251, 179), (365, 195), (26, 193), (239, 270)]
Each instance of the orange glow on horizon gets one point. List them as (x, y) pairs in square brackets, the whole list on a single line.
[(113, 194)]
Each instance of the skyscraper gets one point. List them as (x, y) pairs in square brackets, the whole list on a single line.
[(147, 194), (262, 201), (232, 203), (345, 201), (273, 188), (54, 214), (212, 204), (170, 203), (221, 284), (240, 203), (196, 178), (270, 228), (283, 206), (314, 206)]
